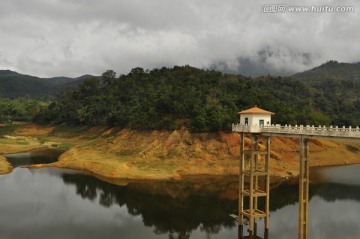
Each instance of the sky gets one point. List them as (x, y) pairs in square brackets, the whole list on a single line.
[(50, 38)]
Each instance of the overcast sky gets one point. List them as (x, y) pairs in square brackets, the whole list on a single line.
[(76, 37)]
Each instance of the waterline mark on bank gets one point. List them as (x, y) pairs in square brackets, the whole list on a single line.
[(282, 8)]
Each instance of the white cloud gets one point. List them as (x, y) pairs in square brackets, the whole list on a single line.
[(66, 37)]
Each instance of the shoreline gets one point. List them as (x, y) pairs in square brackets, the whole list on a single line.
[(274, 180), (5, 166), (123, 154)]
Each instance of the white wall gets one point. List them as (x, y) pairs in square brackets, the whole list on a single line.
[(255, 118)]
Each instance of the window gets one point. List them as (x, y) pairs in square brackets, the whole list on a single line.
[(261, 122), (246, 120)]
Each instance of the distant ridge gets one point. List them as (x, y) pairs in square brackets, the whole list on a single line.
[(14, 85), (331, 70), (8, 73), (344, 77)]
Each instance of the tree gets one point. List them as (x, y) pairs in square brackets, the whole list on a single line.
[(90, 86), (109, 77)]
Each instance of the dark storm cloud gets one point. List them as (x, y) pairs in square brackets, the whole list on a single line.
[(68, 37)]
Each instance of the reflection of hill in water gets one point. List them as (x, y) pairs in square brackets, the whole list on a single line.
[(177, 208), (177, 216), (288, 194), (336, 191)]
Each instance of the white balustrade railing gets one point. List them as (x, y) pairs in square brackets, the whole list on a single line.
[(299, 130)]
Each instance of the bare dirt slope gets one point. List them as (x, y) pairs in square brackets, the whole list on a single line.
[(129, 154), (164, 154), (5, 167)]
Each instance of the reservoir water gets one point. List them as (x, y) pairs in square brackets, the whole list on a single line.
[(54, 203)]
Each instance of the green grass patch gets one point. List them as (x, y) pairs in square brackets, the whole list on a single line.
[(23, 143), (65, 145), (85, 132), (67, 131), (41, 140), (155, 165)]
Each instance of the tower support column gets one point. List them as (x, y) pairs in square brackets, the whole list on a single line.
[(254, 183), (304, 189)]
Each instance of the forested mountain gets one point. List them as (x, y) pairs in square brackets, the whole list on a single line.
[(14, 85), (331, 70), (204, 100), (335, 89)]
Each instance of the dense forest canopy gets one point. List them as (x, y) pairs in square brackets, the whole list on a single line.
[(202, 100), (21, 109)]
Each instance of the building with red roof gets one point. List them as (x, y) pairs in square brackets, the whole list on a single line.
[(255, 116)]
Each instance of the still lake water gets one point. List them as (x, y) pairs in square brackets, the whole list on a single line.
[(54, 203)]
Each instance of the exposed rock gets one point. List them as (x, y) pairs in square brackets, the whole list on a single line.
[(5, 166)]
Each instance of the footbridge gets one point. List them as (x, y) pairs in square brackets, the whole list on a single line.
[(254, 175)]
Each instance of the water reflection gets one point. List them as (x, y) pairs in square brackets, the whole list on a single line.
[(347, 174), (41, 156), (179, 217), (255, 236), (52, 203), (286, 195), (334, 210), (175, 216)]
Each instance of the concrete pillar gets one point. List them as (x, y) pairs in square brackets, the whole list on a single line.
[(241, 185), (257, 173), (267, 169), (304, 189)]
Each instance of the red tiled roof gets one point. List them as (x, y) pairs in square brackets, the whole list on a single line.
[(256, 110)]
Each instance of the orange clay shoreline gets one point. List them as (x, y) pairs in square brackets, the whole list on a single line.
[(123, 154)]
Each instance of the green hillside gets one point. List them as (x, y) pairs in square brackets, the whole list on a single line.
[(331, 70), (335, 91), (14, 85), (203, 100), (22, 96)]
